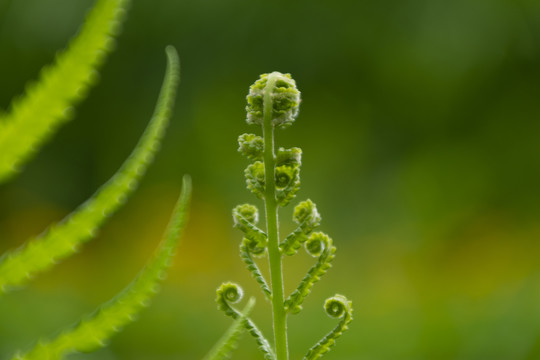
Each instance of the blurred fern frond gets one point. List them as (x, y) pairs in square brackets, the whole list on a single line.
[(94, 330), (63, 239), (222, 350), (34, 117)]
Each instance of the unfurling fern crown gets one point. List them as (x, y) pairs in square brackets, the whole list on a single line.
[(274, 176)]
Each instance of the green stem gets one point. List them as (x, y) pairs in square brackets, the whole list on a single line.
[(272, 227)]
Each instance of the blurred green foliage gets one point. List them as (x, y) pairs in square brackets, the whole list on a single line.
[(420, 130)]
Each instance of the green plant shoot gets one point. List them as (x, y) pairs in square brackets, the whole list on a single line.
[(274, 176)]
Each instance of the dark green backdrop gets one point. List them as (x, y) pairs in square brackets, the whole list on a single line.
[(421, 137)]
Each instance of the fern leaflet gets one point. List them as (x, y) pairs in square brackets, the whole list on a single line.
[(48, 102), (337, 307), (62, 240), (227, 343), (92, 331)]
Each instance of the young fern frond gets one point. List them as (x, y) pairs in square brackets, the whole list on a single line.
[(62, 240), (48, 102), (251, 146), (227, 343), (320, 245), (254, 243), (232, 293), (287, 183), (93, 330), (255, 178), (245, 218), (308, 218), (337, 307), (245, 254), (273, 102)]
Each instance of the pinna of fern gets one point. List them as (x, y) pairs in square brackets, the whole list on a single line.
[(40, 253), (93, 330), (62, 240), (273, 102), (27, 125), (48, 102), (222, 350)]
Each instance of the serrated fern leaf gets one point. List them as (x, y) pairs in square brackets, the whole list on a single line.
[(94, 330), (245, 254), (337, 307), (227, 343), (48, 102), (62, 240), (231, 293), (321, 245)]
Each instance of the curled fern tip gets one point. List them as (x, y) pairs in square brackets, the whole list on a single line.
[(285, 95)]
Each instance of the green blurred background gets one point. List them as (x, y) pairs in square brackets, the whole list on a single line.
[(421, 138)]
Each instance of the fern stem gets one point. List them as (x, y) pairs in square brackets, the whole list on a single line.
[(272, 227)]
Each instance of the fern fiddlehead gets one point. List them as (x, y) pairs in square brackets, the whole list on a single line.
[(308, 218), (232, 293), (254, 243), (227, 343), (273, 102), (321, 246), (337, 307)]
